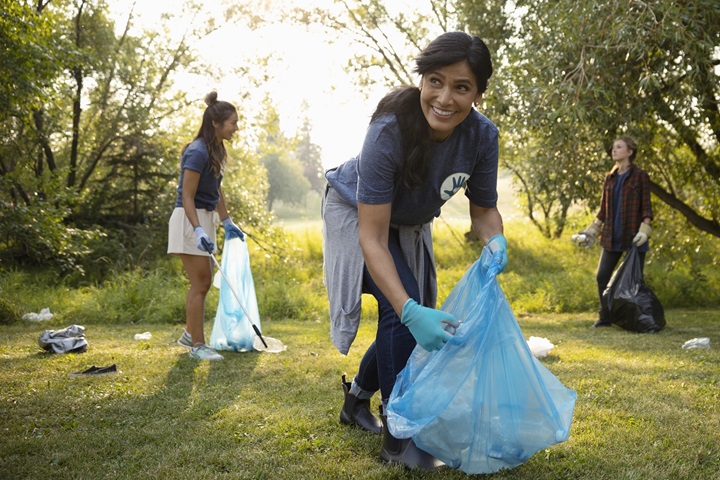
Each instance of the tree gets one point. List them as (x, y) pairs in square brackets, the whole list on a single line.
[(385, 34), (649, 69), (285, 173), (98, 150), (570, 77), (287, 182), (310, 157)]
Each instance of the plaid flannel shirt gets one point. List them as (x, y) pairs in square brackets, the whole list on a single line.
[(635, 206)]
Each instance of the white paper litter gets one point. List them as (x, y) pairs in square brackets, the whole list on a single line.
[(539, 346)]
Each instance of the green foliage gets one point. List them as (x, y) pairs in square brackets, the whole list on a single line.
[(31, 58), (287, 269), (245, 187), (570, 77), (9, 312), (37, 235), (136, 296), (607, 69), (88, 175), (555, 276), (543, 276), (286, 178), (132, 296), (310, 157)]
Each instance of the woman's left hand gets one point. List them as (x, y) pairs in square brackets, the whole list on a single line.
[(498, 246), (643, 234), (232, 230)]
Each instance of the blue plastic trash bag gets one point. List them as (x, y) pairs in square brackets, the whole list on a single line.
[(483, 402), (232, 330)]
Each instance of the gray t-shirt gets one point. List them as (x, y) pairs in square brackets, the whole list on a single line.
[(469, 157), (196, 157)]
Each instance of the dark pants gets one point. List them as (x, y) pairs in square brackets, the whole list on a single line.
[(606, 265), (394, 343)]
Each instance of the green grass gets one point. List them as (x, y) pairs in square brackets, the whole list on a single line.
[(646, 408)]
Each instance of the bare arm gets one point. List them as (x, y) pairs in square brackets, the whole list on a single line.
[(221, 208), (191, 179), (486, 222), (374, 226)]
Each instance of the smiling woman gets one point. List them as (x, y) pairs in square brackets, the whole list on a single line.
[(422, 145), (447, 95), (199, 205)]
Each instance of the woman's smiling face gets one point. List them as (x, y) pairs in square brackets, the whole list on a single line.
[(226, 129), (447, 95)]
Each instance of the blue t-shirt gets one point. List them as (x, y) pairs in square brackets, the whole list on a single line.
[(469, 157), (196, 157)]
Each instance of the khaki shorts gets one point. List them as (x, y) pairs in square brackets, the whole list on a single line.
[(181, 237)]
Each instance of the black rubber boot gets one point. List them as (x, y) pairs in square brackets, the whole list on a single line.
[(357, 412), (403, 451), (603, 319)]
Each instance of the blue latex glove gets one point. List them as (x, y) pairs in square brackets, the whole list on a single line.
[(498, 246), (426, 324), (232, 230), (200, 235)]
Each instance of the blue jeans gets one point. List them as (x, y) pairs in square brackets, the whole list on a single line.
[(394, 343), (606, 265)]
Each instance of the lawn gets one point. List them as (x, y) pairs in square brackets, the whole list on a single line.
[(646, 408)]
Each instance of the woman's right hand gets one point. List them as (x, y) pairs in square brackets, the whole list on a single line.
[(206, 245), (426, 324), (591, 233)]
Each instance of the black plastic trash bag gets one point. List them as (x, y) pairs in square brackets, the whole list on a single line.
[(70, 339), (483, 402), (631, 304)]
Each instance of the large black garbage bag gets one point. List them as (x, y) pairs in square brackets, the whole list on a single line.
[(633, 305)]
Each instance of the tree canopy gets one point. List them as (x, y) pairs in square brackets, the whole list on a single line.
[(93, 120), (569, 78), (94, 125)]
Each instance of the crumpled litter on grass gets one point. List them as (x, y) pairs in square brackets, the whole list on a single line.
[(44, 315), (540, 346)]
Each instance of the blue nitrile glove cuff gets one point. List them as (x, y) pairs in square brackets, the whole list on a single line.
[(498, 246), (232, 230), (426, 324), (200, 235)]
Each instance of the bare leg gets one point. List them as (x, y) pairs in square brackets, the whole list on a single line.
[(199, 272)]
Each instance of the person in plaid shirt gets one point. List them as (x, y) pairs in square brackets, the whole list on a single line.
[(624, 217)]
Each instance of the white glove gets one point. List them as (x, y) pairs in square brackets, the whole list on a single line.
[(586, 238), (643, 234)]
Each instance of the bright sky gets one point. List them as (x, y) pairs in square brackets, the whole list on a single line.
[(308, 69)]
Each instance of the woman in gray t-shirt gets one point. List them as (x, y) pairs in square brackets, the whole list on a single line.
[(422, 146)]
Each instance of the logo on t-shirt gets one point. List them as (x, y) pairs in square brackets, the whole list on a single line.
[(452, 184)]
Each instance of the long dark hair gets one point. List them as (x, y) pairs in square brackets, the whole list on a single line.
[(447, 49), (217, 111)]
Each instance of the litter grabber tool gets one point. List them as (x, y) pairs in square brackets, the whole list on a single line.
[(262, 343)]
